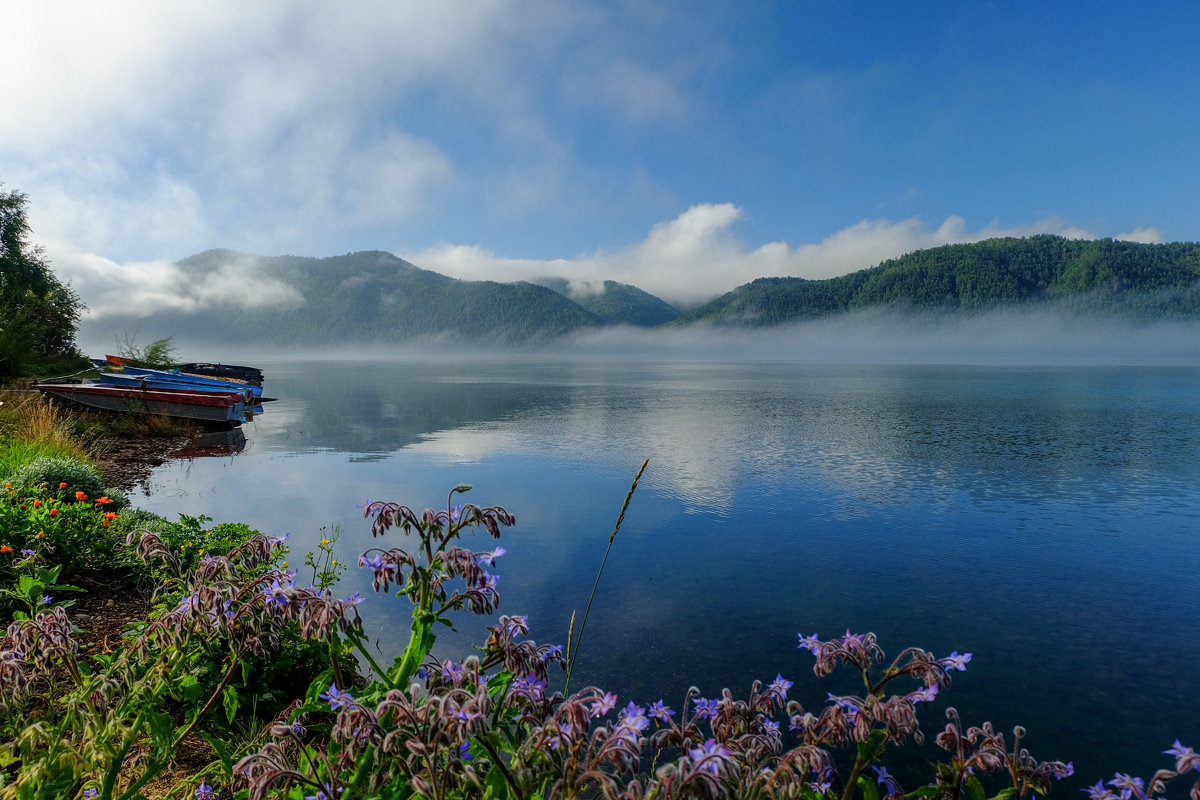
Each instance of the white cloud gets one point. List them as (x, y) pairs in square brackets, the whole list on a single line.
[(143, 288), (696, 256), (1142, 235)]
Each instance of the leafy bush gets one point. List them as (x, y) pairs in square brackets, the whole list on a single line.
[(50, 473), (76, 531)]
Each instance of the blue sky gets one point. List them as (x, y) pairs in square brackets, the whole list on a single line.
[(686, 147)]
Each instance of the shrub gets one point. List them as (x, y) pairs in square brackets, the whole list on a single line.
[(50, 473)]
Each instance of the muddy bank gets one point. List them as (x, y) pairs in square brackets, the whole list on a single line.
[(126, 461)]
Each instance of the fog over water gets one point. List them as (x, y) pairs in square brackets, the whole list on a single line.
[(1015, 336)]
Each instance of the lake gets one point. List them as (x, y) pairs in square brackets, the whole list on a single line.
[(1045, 519)]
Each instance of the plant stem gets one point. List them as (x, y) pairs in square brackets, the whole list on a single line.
[(592, 596)]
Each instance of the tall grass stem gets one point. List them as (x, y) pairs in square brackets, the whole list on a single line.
[(573, 653)]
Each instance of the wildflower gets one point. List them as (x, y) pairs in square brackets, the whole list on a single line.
[(103, 501), (1185, 758), (705, 709), (276, 594), (661, 712), (90, 793), (63, 486), (464, 751), (110, 515), (336, 697), (779, 687), (451, 672), (1097, 791), (810, 643), (325, 541), (1129, 786), (81, 496), (204, 791), (604, 705), (54, 512), (47, 599), (354, 599), (26, 552), (886, 780), (955, 661), (37, 503), (926, 694), (5, 548), (771, 728), (324, 793), (8, 486), (633, 716), (704, 756), (529, 685), (455, 513), (489, 558), (42, 534), (552, 651)]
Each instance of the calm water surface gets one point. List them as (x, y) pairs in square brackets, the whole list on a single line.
[(1045, 519)]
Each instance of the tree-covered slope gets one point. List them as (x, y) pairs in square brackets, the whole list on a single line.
[(616, 303), (370, 296), (1101, 275)]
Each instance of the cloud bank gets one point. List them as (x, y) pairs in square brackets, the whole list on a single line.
[(697, 255)]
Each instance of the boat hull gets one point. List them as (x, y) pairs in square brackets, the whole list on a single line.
[(196, 381), (203, 406)]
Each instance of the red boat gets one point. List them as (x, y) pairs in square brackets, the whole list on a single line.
[(217, 406)]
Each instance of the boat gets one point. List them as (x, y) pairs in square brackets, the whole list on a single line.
[(175, 383), (229, 371), (210, 406), (193, 381), (206, 369)]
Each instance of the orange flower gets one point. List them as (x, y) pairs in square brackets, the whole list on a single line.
[(41, 534), (8, 486), (104, 524), (110, 515), (62, 486), (81, 495), (54, 512), (37, 503), (5, 548), (103, 501)]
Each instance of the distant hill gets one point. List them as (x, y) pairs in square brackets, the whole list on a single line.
[(1101, 276), (374, 296), (615, 303)]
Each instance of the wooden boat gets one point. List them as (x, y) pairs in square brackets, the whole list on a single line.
[(175, 378), (232, 372), (211, 406), (174, 383)]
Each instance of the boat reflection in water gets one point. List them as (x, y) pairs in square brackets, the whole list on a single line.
[(213, 444)]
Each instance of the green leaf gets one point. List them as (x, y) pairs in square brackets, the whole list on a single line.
[(869, 789), (229, 698), (975, 787), (1004, 794), (222, 751)]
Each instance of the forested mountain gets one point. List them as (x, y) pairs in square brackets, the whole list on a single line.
[(374, 296), (1095, 276), (616, 303)]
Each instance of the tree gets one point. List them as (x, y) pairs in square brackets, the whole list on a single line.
[(38, 313)]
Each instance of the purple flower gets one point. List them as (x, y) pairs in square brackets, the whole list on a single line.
[(552, 651), (779, 687), (1064, 770), (1129, 786), (336, 697), (464, 751), (490, 557), (604, 705), (27, 552), (810, 643), (771, 728), (633, 716), (926, 694), (883, 778), (705, 709), (204, 791), (451, 672), (562, 736), (529, 685), (455, 513), (47, 599), (325, 793), (1099, 792), (375, 562), (708, 756), (1185, 758), (354, 599), (955, 661), (277, 541), (842, 703), (90, 793), (660, 712), (276, 593)]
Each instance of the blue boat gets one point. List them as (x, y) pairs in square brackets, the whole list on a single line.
[(157, 378)]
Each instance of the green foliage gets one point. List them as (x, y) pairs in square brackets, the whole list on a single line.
[(1103, 276), (49, 472), (74, 529), (38, 313), (159, 354)]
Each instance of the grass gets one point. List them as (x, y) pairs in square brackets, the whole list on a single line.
[(30, 427)]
